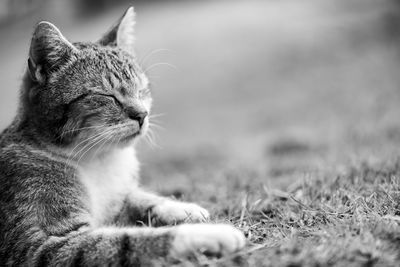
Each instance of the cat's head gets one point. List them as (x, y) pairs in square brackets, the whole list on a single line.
[(86, 91)]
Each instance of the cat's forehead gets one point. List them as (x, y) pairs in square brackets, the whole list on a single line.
[(116, 67), (123, 81)]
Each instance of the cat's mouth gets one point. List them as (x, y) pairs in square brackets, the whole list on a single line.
[(130, 132), (129, 137)]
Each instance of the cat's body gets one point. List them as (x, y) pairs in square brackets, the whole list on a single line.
[(69, 177)]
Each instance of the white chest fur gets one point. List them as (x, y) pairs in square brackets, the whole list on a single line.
[(108, 179)]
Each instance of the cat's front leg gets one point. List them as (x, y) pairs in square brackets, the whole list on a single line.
[(166, 211)]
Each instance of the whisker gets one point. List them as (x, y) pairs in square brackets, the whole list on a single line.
[(155, 51), (93, 144), (151, 116), (105, 136), (151, 137), (156, 122), (72, 154), (89, 141), (86, 140), (84, 128), (86, 145), (111, 138), (153, 134), (79, 129), (152, 125), (152, 77), (149, 141), (161, 64), (101, 145), (119, 139)]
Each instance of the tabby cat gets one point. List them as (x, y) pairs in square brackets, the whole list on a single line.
[(69, 190)]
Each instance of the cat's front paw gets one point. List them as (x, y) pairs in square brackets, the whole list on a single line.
[(210, 239), (172, 212)]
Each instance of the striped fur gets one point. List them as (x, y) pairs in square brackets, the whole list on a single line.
[(69, 191)]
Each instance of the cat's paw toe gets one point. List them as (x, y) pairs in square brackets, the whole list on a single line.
[(210, 239), (172, 212)]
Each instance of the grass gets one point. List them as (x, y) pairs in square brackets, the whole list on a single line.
[(349, 218)]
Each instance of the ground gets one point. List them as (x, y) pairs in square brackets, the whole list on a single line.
[(280, 117)]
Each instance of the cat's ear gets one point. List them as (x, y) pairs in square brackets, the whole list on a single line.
[(122, 34), (49, 50)]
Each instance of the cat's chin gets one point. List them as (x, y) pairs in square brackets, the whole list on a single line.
[(127, 140), (131, 133), (130, 138)]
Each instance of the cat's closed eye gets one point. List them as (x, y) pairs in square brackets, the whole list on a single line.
[(114, 99)]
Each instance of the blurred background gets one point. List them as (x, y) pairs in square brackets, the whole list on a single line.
[(277, 87)]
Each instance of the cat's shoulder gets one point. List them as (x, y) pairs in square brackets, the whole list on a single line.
[(21, 158)]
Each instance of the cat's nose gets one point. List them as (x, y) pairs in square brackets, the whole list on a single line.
[(138, 116)]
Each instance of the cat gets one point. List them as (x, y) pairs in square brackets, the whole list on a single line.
[(69, 185)]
